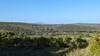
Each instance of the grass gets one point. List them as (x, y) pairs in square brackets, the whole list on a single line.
[(82, 52), (92, 50)]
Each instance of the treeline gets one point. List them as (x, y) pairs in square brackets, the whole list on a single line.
[(11, 39)]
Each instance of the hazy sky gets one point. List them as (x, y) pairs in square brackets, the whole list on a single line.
[(50, 11)]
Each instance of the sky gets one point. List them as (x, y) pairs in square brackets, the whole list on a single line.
[(50, 11)]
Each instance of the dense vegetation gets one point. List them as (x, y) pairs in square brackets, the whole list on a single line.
[(21, 39)]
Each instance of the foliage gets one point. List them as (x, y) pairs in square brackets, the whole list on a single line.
[(77, 43)]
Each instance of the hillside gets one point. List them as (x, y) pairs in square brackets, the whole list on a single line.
[(47, 28), (33, 40)]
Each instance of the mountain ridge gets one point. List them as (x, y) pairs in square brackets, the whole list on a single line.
[(31, 28)]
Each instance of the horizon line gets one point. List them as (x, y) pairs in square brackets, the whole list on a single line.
[(46, 23)]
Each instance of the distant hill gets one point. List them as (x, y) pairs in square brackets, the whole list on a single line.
[(47, 28)]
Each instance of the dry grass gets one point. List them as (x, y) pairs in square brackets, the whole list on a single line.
[(92, 50), (82, 52)]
